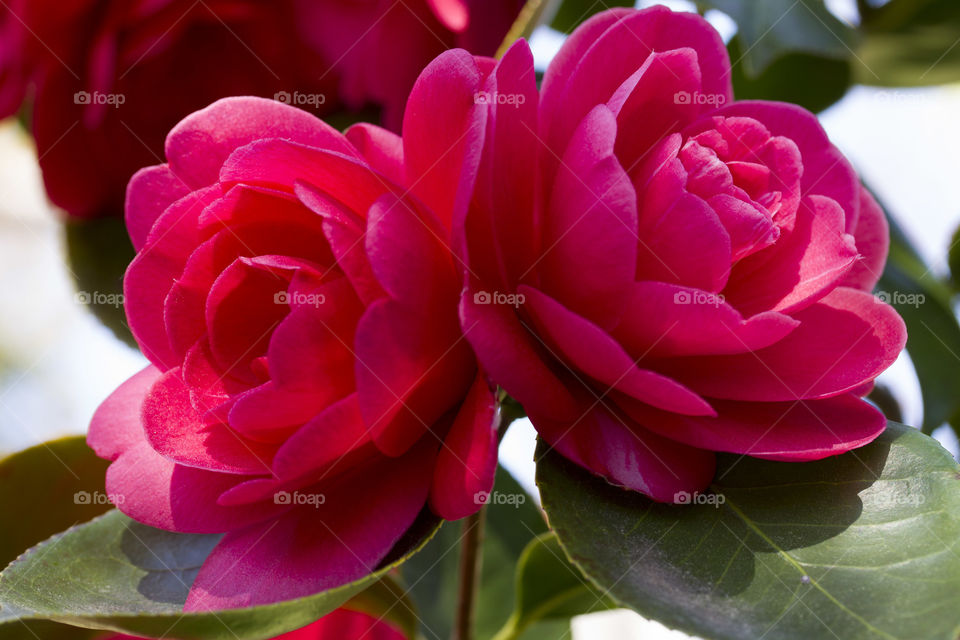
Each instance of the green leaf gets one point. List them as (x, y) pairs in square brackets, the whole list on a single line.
[(769, 29), (910, 43), (572, 13), (390, 601), (811, 81), (550, 588), (953, 259), (46, 489), (881, 396), (862, 545), (433, 573), (933, 334), (115, 573)]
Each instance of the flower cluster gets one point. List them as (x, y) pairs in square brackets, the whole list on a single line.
[(655, 271)]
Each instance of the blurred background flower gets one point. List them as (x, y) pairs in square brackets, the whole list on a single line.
[(103, 81)]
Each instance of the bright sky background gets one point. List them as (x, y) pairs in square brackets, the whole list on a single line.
[(57, 362)]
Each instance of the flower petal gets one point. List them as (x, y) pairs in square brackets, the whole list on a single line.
[(663, 320), (590, 230), (198, 147), (411, 369), (628, 455), (178, 432), (467, 462), (116, 424), (788, 431), (508, 351), (443, 131), (150, 192), (590, 350), (801, 267), (311, 549), (844, 340), (872, 236)]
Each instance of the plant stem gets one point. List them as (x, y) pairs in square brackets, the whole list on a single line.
[(470, 560), (533, 14)]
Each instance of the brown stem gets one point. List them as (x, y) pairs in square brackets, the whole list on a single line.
[(470, 560)]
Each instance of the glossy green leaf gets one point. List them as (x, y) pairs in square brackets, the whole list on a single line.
[(115, 573), (881, 396), (811, 81), (46, 489), (910, 43), (433, 573), (43, 490), (549, 587), (933, 334), (860, 546), (770, 29), (389, 600)]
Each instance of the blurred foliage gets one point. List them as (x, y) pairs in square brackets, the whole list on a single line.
[(550, 588), (343, 120), (769, 29), (953, 259), (909, 43), (812, 81), (795, 51), (98, 252), (433, 573), (933, 342), (886, 402), (44, 490)]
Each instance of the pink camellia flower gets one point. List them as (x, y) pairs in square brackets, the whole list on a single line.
[(107, 80), (310, 389), (693, 274), (342, 624)]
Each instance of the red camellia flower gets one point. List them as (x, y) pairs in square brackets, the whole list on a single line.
[(109, 79), (658, 273), (310, 389), (342, 624)]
